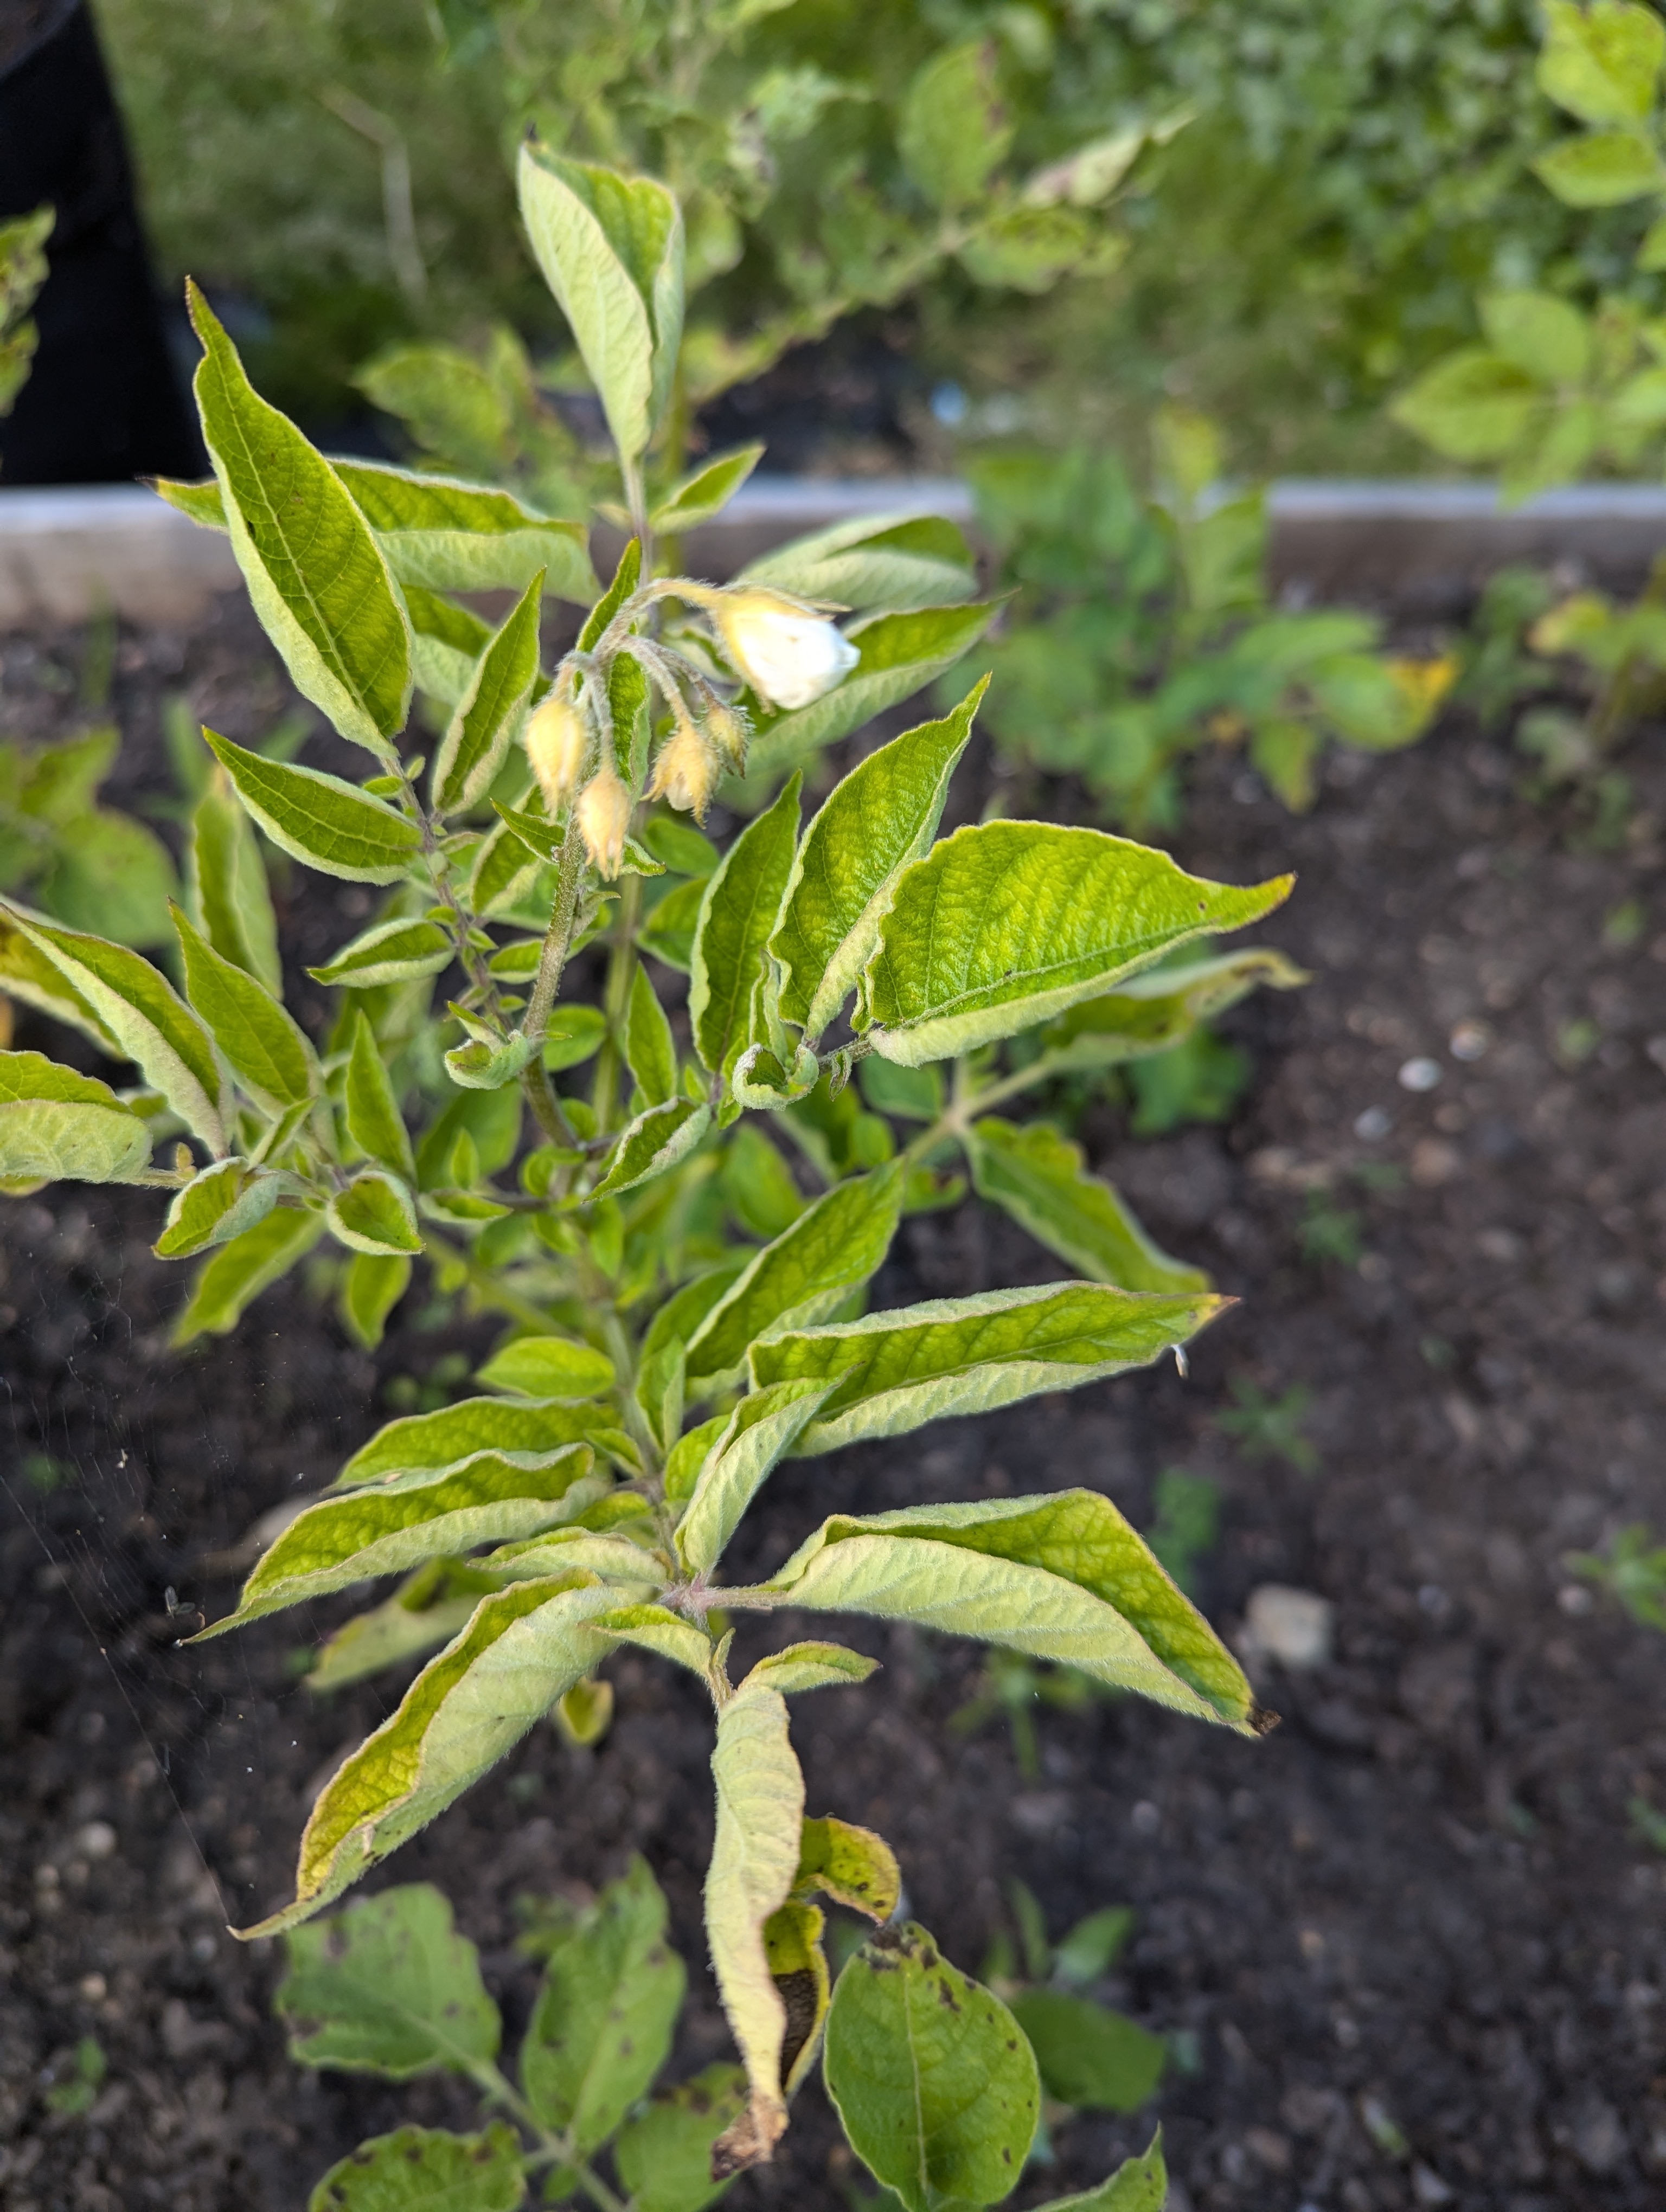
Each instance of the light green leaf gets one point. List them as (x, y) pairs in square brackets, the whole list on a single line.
[(1601, 62), (763, 1426), (703, 494), (664, 2153), (1545, 337), (1009, 923), (489, 1065), (549, 1367), (199, 501), (1471, 406), (757, 1184), (812, 1665), (611, 1540), (264, 1049), (668, 932), (396, 951), (442, 536), (316, 576), (387, 1987), (138, 1007), (1153, 1013), (1138, 2184), (927, 2070), (901, 564), (329, 823), (1062, 1577), (427, 2170), (650, 1047), (807, 1274), (1035, 1174), (1602, 169), (754, 1861), (56, 1126), (446, 640), (611, 248), (603, 2024), (429, 1608), (954, 127), (374, 1213), (215, 1207), (27, 975), (1088, 2056), (657, 1629), (239, 1270), (738, 909), (654, 1144), (489, 712), (110, 875), (531, 1435), (226, 891), (877, 822), (523, 1649), (349, 1539), (373, 1119), (373, 1284), (898, 654), (853, 1866)]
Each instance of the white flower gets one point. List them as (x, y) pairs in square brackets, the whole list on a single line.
[(788, 654), (686, 771), (604, 817), (556, 741)]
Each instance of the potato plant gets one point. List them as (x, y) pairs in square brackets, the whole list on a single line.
[(656, 1368)]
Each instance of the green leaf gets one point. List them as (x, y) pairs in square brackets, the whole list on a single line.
[(549, 1367), (489, 712), (1138, 2184), (1092, 1945), (1545, 338), (935, 2086), (442, 536), (1009, 923), (373, 1119), (754, 1862), (239, 1270), (757, 1183), (1602, 169), (812, 1665), (28, 974), (903, 565), (427, 2170), (954, 127), (373, 1284), (429, 1608), (374, 1213), (329, 823), (763, 1426), (650, 1047), (529, 1434), (112, 876), (263, 1047), (611, 248), (215, 1207), (1472, 406), (315, 574), (56, 1126), (226, 891), (1154, 1011), (680, 845), (603, 2024), (853, 1866), (656, 1628), (737, 912), (396, 951), (1601, 62), (349, 1539), (387, 1987), (199, 501), (653, 1144), (138, 1007), (664, 2153), (446, 640), (807, 1274), (1062, 1577), (1088, 2056), (667, 934), (703, 494), (626, 578), (898, 654), (523, 1649), (1035, 1174), (877, 821)]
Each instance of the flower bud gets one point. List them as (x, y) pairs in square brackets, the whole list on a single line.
[(731, 732), (556, 740), (604, 817), (686, 771), (789, 655)]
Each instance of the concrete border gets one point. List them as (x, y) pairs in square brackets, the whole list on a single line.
[(66, 554)]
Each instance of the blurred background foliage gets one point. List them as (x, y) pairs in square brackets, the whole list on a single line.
[(337, 172)]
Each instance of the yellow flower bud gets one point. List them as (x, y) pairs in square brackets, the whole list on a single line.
[(731, 732), (557, 739), (786, 652), (604, 817), (686, 771)]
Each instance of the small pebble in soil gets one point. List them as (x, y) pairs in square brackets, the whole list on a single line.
[(97, 1841), (1373, 1125), (1291, 1625), (1574, 1598), (1470, 1040), (93, 1988), (1421, 1074)]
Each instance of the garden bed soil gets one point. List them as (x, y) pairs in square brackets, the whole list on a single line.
[(1410, 1945)]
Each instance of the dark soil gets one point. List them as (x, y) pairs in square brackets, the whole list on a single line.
[(1411, 1941)]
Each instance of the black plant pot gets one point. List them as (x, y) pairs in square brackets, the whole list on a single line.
[(103, 402)]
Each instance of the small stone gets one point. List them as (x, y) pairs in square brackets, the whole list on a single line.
[(1428, 2188), (1420, 1074), (1470, 1040), (94, 1987), (1575, 1598), (1373, 1125), (97, 1841), (1434, 1161), (1291, 1625), (1599, 2137), (1272, 2150), (1144, 1820)]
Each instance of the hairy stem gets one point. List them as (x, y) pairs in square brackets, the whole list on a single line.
[(616, 1002)]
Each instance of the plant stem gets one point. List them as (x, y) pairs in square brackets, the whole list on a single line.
[(616, 1002), (535, 1082)]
